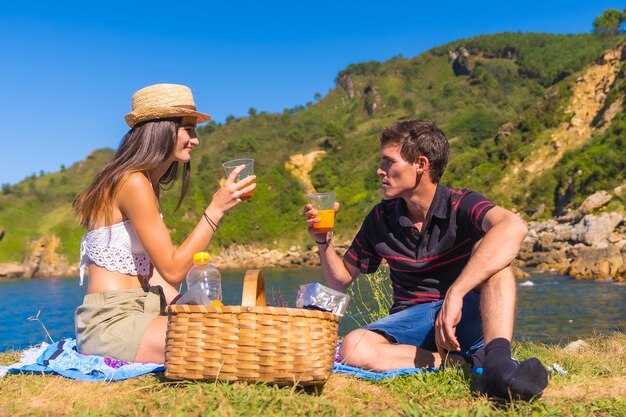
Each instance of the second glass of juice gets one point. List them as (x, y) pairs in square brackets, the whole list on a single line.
[(324, 204)]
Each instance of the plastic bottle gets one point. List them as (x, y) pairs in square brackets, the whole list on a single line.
[(207, 275)]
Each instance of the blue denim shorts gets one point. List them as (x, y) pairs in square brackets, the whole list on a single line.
[(416, 326)]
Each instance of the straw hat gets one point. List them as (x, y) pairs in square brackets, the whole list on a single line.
[(160, 101)]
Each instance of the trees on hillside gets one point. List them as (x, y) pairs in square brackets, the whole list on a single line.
[(609, 22)]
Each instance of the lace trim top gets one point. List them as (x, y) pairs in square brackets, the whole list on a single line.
[(115, 248)]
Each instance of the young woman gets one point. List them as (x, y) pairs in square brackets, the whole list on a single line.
[(132, 264)]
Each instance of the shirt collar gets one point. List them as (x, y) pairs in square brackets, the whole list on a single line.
[(438, 207)]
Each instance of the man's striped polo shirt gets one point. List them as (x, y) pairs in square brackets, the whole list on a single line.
[(423, 265)]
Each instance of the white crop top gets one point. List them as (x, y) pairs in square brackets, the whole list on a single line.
[(115, 248)]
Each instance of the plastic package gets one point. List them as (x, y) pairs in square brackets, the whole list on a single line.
[(204, 283), (319, 297)]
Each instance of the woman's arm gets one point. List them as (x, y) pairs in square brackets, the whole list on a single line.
[(137, 200), (169, 290)]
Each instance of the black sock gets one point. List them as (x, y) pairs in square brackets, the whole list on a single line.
[(504, 378), (478, 358), (497, 361)]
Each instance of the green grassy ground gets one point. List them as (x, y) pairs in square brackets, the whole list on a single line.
[(595, 385)]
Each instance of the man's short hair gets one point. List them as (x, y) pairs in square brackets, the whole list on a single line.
[(417, 138)]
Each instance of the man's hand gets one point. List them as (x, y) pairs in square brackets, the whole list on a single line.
[(311, 218), (445, 326)]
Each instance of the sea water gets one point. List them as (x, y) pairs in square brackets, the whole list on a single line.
[(551, 308)]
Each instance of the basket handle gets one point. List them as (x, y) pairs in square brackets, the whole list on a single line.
[(253, 289)]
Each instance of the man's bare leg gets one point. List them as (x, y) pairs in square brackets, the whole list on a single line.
[(498, 297), (370, 350)]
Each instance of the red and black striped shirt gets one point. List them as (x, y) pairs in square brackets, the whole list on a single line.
[(422, 265)]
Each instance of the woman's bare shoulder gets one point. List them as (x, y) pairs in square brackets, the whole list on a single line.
[(136, 187), (136, 181)]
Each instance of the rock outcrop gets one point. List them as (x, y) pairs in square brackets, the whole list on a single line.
[(12, 270), (41, 261), (599, 263), (372, 99), (505, 130), (300, 165), (346, 83), (585, 246), (594, 202), (460, 61), (620, 191), (596, 231)]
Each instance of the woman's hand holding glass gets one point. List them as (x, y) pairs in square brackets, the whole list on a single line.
[(230, 193)]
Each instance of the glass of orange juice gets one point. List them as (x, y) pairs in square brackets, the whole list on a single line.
[(324, 204), (229, 166)]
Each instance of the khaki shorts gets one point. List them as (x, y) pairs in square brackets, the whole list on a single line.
[(113, 323)]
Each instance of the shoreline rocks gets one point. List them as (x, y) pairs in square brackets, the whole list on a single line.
[(579, 244), (252, 257), (40, 264), (549, 246)]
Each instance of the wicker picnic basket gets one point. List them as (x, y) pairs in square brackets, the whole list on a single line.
[(251, 342)]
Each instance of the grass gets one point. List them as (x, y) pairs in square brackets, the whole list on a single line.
[(595, 385), (376, 289)]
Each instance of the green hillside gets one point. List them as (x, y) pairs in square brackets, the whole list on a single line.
[(523, 81)]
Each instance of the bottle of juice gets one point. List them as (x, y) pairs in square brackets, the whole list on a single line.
[(207, 276)]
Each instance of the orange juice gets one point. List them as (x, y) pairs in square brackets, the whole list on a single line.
[(327, 221), (247, 195), (248, 170)]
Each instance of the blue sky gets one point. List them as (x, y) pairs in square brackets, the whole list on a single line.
[(69, 68)]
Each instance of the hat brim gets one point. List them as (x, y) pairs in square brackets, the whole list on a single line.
[(146, 114)]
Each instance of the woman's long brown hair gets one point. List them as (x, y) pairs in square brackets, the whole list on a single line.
[(142, 149)]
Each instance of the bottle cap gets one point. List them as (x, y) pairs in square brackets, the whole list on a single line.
[(201, 258)]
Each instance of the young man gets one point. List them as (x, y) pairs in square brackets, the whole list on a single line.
[(449, 253)]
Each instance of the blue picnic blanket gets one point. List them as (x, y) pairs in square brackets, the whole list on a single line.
[(364, 374), (62, 358), (378, 376)]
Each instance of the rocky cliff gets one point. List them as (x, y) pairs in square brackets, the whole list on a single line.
[(587, 113)]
